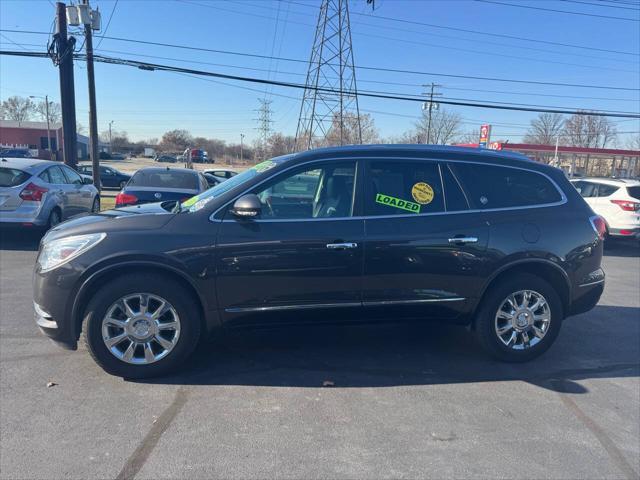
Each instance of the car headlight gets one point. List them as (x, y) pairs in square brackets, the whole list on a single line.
[(60, 251)]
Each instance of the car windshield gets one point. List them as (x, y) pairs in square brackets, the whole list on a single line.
[(165, 179), (10, 177), (199, 201)]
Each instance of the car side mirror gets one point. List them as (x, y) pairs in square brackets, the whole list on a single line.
[(247, 206), (87, 181)]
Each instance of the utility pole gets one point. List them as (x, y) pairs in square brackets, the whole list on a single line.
[(430, 108), (46, 100), (67, 88), (241, 148), (93, 116)]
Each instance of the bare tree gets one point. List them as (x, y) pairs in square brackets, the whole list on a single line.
[(545, 129), (280, 144), (18, 109), (633, 143), (584, 130), (175, 141), (472, 136), (55, 113), (445, 128), (350, 131)]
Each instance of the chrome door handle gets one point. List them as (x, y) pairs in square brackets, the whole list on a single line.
[(341, 246), (463, 240)]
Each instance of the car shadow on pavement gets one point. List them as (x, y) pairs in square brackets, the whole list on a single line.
[(20, 239), (622, 248), (595, 345)]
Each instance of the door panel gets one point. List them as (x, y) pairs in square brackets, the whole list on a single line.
[(413, 268), (295, 262)]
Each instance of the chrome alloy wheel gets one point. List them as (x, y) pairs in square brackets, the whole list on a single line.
[(523, 319), (141, 328)]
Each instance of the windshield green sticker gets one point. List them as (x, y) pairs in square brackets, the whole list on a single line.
[(190, 202), (397, 203), (264, 166)]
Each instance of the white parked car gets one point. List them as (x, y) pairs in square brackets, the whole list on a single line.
[(617, 200)]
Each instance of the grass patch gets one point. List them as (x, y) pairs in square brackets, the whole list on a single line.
[(107, 202)]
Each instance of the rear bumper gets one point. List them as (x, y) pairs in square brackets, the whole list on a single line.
[(588, 293), (34, 214), (630, 232)]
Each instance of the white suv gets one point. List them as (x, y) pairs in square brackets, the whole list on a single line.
[(616, 200)]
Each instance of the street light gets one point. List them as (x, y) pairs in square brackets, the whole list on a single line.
[(110, 149), (46, 101)]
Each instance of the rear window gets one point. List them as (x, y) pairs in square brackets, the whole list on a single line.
[(634, 192), (165, 179), (10, 177), (489, 186)]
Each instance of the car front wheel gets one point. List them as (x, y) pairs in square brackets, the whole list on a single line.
[(141, 326), (519, 318)]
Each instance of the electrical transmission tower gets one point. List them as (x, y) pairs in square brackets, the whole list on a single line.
[(330, 100), (264, 126)]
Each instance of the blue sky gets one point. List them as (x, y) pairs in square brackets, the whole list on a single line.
[(146, 104)]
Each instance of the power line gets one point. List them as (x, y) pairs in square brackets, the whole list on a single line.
[(600, 5), (493, 54), (382, 69), (478, 32), (584, 14), (108, 23)]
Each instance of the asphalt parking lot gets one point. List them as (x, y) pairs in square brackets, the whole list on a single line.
[(317, 402)]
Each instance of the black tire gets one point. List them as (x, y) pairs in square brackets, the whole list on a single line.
[(163, 286), (55, 217), (95, 207), (485, 328)]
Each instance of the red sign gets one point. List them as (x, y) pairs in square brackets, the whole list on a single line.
[(485, 134)]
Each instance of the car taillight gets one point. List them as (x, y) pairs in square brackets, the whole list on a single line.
[(33, 192), (627, 205), (599, 225), (125, 199)]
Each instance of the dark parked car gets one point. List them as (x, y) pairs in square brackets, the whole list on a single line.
[(166, 159), (471, 237), (109, 177), (212, 180), (15, 153), (155, 184)]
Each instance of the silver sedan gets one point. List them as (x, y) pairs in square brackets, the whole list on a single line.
[(43, 193)]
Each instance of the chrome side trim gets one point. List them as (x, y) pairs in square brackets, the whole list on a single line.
[(562, 201), (410, 302), (276, 308), (592, 283)]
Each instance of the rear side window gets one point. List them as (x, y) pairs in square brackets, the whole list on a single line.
[(72, 176), (11, 177), (634, 192), (56, 176), (165, 179), (403, 188), (586, 189), (489, 186), (606, 190)]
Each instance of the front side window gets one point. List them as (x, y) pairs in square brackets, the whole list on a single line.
[(403, 188), (321, 191), (490, 186), (72, 176)]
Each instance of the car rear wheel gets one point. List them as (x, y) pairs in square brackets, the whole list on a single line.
[(54, 218), (519, 318), (141, 326), (95, 207)]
